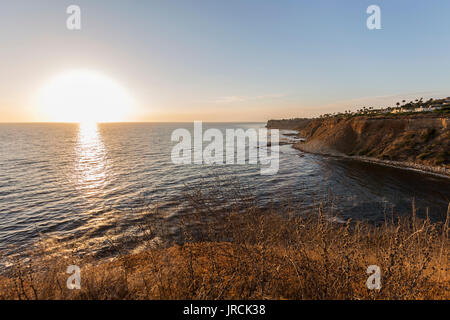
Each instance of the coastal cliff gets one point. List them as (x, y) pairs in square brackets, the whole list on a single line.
[(420, 143), (289, 124)]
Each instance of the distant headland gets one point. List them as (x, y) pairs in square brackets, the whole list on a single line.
[(414, 134)]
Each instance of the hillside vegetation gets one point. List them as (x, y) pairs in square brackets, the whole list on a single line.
[(423, 141)]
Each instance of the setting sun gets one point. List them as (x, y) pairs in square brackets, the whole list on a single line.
[(84, 96), (266, 152)]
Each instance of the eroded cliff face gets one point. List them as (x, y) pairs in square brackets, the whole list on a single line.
[(424, 141)]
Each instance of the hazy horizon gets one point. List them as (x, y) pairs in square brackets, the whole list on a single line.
[(231, 61)]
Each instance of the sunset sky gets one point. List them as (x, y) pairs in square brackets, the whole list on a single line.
[(233, 60)]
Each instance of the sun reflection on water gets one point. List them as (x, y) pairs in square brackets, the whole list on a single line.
[(91, 160)]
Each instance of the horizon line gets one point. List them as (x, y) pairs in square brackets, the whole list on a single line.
[(112, 122)]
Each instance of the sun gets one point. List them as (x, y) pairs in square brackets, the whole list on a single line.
[(84, 96)]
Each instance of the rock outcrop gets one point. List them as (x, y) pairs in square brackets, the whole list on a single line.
[(422, 142)]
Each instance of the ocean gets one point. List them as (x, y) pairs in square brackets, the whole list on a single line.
[(82, 185)]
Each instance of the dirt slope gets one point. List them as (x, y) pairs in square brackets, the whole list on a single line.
[(424, 141)]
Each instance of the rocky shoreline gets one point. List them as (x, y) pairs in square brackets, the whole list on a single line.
[(435, 170), (409, 142)]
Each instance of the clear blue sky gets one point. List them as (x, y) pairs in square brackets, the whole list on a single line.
[(230, 60)]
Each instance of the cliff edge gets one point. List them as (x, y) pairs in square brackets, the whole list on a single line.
[(420, 143)]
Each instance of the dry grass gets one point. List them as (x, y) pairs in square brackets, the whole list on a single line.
[(232, 249)]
